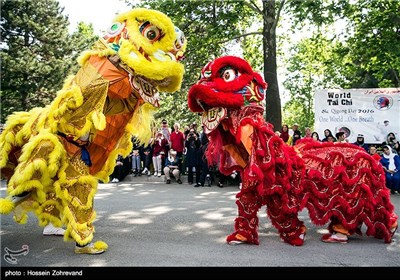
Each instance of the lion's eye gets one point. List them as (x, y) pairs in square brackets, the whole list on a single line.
[(229, 74), (115, 29), (207, 74), (180, 39), (150, 31)]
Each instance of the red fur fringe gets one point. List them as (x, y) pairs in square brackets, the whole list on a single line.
[(335, 182)]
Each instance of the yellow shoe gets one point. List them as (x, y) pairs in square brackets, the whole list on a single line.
[(92, 248)]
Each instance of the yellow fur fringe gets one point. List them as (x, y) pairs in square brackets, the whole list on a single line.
[(6, 206), (22, 220), (100, 245)]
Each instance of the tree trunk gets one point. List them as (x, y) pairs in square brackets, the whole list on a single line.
[(273, 112)]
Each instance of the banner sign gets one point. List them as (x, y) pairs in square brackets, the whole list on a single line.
[(373, 112)]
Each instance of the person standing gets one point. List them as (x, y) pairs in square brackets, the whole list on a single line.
[(296, 133), (192, 145), (160, 147), (285, 136), (177, 143), (136, 158), (360, 142), (205, 169), (166, 131), (147, 158)]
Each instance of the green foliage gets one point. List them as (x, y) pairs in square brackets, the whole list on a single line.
[(82, 39), (35, 44), (316, 12), (294, 112), (365, 55), (373, 46), (37, 53)]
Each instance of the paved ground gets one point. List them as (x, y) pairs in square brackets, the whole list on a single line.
[(148, 223)]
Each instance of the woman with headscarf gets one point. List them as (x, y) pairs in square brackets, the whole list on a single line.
[(392, 142), (391, 165)]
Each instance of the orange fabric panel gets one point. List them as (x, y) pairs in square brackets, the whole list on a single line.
[(119, 79), (106, 140), (245, 133), (235, 154), (339, 228)]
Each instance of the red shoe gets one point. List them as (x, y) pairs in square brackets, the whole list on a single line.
[(333, 238)]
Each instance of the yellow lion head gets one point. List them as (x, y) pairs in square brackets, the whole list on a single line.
[(149, 43)]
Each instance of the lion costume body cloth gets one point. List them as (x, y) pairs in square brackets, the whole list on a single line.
[(337, 183), (58, 153)]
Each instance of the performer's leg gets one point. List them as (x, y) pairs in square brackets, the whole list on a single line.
[(337, 232), (286, 220), (30, 186), (386, 226), (51, 230), (246, 224), (77, 190), (79, 216)]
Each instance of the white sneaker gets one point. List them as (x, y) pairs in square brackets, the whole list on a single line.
[(145, 171), (155, 174), (52, 230)]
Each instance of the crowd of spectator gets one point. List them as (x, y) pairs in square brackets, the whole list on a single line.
[(173, 153)]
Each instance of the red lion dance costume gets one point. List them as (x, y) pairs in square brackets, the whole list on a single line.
[(339, 183)]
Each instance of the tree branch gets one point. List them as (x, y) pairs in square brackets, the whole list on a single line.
[(252, 5), (240, 36), (278, 14)]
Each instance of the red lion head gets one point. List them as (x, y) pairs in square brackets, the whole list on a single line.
[(226, 83)]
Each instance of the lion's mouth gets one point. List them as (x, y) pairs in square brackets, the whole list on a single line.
[(212, 118), (146, 90), (158, 55)]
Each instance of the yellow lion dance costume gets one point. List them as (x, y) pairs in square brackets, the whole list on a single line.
[(54, 156)]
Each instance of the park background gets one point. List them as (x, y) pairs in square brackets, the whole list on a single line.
[(298, 46)]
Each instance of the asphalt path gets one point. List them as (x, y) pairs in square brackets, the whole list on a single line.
[(148, 223)]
